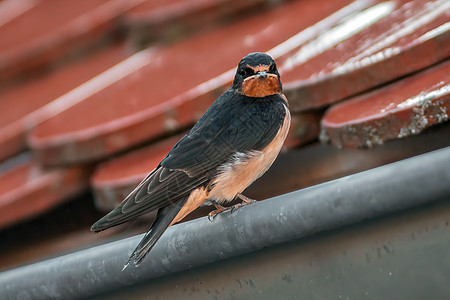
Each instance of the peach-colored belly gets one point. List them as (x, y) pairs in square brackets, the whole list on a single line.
[(237, 175)]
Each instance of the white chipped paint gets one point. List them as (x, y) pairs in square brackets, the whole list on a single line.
[(379, 48), (388, 107), (314, 30), (435, 32), (11, 9), (366, 61), (424, 97), (348, 27)]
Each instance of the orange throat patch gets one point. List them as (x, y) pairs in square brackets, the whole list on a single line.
[(255, 86)]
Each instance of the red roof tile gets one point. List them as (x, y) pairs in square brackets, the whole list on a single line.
[(159, 11), (27, 190), (170, 88), (168, 20), (24, 106), (345, 53), (305, 127), (400, 109), (47, 30), (112, 181)]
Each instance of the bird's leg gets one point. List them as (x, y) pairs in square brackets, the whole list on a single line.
[(245, 201), (219, 209)]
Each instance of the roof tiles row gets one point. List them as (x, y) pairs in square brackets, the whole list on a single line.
[(110, 101)]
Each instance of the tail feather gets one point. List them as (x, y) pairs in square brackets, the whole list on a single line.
[(165, 216)]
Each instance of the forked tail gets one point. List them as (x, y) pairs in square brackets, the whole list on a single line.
[(164, 217)]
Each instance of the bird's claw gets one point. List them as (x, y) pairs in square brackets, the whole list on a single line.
[(238, 205), (245, 200), (211, 217), (235, 207), (232, 209), (214, 213)]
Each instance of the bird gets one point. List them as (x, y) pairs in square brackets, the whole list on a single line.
[(234, 143)]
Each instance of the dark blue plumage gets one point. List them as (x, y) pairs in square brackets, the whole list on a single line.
[(235, 125)]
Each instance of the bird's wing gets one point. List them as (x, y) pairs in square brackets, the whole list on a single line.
[(160, 188), (230, 125)]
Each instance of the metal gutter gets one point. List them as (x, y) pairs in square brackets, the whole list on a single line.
[(380, 191)]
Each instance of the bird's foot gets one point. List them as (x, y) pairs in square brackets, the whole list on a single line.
[(219, 208), (245, 201), (214, 213)]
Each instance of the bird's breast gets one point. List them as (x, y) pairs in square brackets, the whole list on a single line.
[(245, 167)]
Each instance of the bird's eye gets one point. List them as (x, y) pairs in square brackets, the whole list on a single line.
[(272, 68), (246, 72)]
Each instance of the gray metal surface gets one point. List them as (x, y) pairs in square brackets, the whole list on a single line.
[(330, 205), (396, 257)]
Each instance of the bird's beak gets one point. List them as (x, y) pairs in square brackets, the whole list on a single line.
[(262, 74)]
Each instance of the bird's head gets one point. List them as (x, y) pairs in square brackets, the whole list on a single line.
[(257, 76)]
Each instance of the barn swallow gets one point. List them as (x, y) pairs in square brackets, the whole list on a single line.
[(232, 145)]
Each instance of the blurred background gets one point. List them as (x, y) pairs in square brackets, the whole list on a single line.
[(93, 94)]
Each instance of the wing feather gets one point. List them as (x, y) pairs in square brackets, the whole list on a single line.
[(234, 123)]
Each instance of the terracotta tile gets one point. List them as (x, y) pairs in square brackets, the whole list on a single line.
[(400, 109), (27, 190), (48, 30), (155, 20), (26, 105), (345, 53), (305, 128), (170, 87), (112, 181)]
